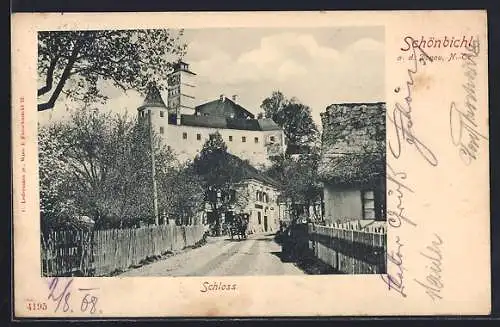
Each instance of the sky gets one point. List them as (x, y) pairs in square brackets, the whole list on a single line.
[(318, 66)]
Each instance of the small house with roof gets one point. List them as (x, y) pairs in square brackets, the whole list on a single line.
[(352, 165), (185, 127), (256, 194)]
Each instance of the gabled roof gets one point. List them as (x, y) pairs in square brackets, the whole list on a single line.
[(223, 107), (215, 114), (153, 98), (250, 172)]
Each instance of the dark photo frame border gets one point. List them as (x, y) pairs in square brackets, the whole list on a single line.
[(220, 5)]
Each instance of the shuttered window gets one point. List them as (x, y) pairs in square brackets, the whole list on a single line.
[(368, 199)]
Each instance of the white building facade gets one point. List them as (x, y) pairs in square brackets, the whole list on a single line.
[(185, 127), (258, 199)]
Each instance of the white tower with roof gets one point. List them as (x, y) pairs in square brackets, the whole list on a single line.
[(154, 111), (181, 91)]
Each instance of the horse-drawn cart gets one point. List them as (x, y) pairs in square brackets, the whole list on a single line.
[(238, 225)]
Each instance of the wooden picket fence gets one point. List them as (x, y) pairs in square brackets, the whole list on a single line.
[(119, 249), (98, 253), (66, 253), (350, 249)]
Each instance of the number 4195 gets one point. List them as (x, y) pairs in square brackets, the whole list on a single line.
[(37, 306)]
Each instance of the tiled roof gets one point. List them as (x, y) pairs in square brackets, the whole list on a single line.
[(215, 114), (153, 97), (223, 107), (250, 172), (245, 124), (203, 121), (229, 123)]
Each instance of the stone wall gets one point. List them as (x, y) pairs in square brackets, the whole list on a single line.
[(353, 140)]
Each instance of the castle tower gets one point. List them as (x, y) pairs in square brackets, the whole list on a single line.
[(154, 111), (181, 90)]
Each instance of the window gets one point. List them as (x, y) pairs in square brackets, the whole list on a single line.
[(161, 130), (272, 138), (373, 201), (259, 217), (198, 137), (230, 138), (256, 139), (243, 139), (161, 113), (184, 136), (368, 199)]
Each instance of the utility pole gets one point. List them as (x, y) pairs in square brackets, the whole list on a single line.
[(153, 171)]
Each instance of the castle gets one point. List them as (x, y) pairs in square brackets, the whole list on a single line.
[(185, 126)]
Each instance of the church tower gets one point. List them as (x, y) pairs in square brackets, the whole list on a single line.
[(181, 90), (153, 111)]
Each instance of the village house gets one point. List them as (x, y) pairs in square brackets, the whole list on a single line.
[(353, 165), (257, 195)]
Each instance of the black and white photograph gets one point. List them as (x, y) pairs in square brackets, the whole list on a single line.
[(212, 152), (250, 164)]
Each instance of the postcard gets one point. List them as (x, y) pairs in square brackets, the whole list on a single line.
[(245, 164)]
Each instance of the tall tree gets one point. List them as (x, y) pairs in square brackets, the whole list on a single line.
[(54, 173), (181, 194), (220, 171), (295, 118), (300, 183), (103, 169), (127, 58), (273, 104)]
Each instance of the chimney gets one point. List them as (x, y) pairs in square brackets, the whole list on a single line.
[(235, 98), (222, 97)]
